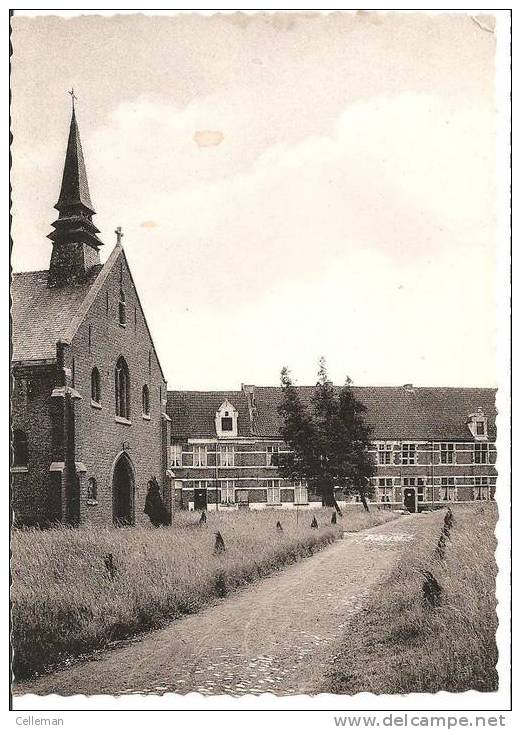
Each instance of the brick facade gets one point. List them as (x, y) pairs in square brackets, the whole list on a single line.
[(99, 436), (453, 464), (36, 492), (99, 342)]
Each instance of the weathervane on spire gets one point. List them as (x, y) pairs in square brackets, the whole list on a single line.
[(73, 97), (119, 234)]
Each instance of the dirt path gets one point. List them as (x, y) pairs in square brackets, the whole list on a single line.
[(276, 636)]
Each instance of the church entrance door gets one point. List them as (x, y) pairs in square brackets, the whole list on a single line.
[(123, 492)]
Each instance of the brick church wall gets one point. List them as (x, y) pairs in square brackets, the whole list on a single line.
[(99, 342), (36, 493)]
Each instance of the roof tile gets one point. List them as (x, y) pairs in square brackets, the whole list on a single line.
[(394, 412), (41, 315)]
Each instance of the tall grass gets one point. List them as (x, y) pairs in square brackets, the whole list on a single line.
[(69, 597), (401, 644)]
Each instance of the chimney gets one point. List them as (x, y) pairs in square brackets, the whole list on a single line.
[(249, 392), (409, 387)]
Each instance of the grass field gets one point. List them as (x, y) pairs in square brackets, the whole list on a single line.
[(69, 598), (401, 644)]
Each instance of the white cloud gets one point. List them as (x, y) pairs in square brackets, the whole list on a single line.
[(397, 197), (371, 243)]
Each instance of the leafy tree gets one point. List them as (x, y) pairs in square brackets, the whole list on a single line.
[(328, 439)]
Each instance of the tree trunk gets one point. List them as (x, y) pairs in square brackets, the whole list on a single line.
[(328, 499), (364, 501)]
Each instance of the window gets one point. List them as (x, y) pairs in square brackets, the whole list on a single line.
[(199, 455), (20, 450), (419, 484), (243, 496), (92, 490), (177, 454), (385, 489), (480, 453), (188, 456), (21, 388), (95, 386), (122, 387), (272, 455), (301, 493), (481, 488), (226, 455), (226, 420), (408, 453), (226, 423), (385, 450), (122, 308), (146, 400), (447, 453), (447, 490), (414, 482), (477, 424), (273, 491), (227, 491), (201, 484), (32, 387)]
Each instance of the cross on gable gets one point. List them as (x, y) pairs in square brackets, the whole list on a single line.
[(119, 234)]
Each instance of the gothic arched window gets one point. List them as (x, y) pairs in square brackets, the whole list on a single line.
[(95, 386), (146, 400), (20, 450), (122, 387), (122, 313), (92, 490)]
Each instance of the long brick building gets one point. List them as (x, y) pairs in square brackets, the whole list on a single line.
[(431, 446), (88, 402)]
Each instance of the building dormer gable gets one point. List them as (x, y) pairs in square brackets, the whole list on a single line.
[(226, 420), (477, 423)]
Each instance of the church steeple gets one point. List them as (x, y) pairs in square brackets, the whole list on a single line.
[(75, 243), (75, 188)]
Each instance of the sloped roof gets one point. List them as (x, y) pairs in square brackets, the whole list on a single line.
[(193, 412), (394, 412), (42, 315)]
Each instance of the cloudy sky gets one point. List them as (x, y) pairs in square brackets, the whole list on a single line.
[(288, 185)]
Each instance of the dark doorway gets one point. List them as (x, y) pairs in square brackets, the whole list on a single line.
[(123, 492), (200, 499), (409, 499)]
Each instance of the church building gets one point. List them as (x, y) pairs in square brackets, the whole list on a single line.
[(88, 400)]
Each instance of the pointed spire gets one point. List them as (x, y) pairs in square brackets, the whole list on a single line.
[(75, 188), (75, 243)]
